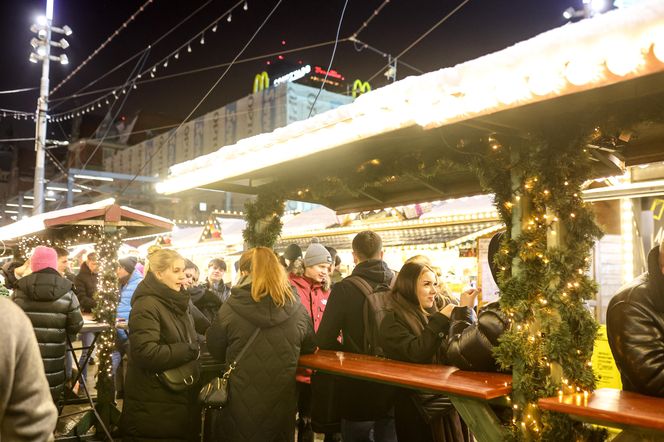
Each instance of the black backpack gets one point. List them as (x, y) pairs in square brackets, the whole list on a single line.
[(377, 303)]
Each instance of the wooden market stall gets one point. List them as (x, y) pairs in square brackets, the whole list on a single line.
[(104, 224), (531, 124)]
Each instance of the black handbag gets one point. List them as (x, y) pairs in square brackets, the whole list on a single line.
[(180, 378), (215, 393), (431, 405), (186, 375)]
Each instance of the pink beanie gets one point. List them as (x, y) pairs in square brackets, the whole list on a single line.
[(43, 257)]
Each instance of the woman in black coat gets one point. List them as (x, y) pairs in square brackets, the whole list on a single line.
[(161, 337), (410, 333), (263, 394)]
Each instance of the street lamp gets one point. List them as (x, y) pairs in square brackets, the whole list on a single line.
[(42, 46)]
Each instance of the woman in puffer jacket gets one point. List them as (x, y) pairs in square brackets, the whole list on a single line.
[(48, 300), (263, 395)]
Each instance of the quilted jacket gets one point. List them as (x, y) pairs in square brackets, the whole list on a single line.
[(47, 299), (635, 328), (262, 396), (159, 339)]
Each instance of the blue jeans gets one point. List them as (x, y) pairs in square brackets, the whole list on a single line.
[(86, 342), (382, 430)]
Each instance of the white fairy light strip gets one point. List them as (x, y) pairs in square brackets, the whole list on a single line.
[(610, 48)]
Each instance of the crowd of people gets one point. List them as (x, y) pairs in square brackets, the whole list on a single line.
[(279, 308)]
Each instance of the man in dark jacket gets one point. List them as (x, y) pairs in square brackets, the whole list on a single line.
[(364, 406), (215, 281), (85, 284), (49, 302), (635, 328)]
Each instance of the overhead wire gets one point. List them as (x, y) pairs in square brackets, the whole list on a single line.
[(139, 53), (423, 36), (101, 46), (163, 61), (212, 88), (367, 21), (205, 68), (329, 66), (16, 91)]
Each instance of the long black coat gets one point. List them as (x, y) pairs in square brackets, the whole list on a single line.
[(47, 299), (159, 331), (635, 328), (402, 343), (262, 397), (85, 285)]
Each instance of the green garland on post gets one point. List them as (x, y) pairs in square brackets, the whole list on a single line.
[(543, 278), (107, 297), (263, 217)]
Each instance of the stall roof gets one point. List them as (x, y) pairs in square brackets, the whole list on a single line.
[(317, 218), (613, 60), (104, 212), (445, 235)]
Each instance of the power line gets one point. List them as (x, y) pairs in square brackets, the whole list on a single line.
[(138, 54), (203, 69), (329, 66), (216, 83), (16, 91), (366, 22), (102, 46), (421, 37), (381, 53), (138, 68), (162, 62)]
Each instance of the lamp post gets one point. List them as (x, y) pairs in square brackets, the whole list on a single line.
[(42, 46)]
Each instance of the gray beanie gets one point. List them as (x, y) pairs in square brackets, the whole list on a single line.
[(316, 254)]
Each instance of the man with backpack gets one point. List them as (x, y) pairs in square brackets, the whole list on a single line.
[(349, 324)]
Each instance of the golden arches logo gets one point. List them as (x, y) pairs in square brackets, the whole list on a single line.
[(261, 82), (360, 87)]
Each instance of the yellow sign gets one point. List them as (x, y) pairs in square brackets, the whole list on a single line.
[(604, 365), (657, 203), (261, 82), (360, 87)]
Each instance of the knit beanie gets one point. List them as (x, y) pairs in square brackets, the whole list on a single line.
[(316, 254), (42, 258), (293, 251), (128, 263)]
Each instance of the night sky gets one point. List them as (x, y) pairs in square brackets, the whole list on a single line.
[(480, 27)]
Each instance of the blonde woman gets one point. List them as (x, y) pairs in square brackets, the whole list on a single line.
[(161, 337), (262, 396)]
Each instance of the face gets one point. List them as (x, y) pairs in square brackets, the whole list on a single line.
[(121, 272), (318, 272), (215, 274), (92, 265), (63, 264), (190, 277), (427, 287), (173, 277)]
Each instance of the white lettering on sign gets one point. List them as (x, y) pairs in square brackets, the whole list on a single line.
[(295, 75)]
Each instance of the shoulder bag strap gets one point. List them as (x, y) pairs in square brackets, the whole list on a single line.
[(360, 284), (239, 356)]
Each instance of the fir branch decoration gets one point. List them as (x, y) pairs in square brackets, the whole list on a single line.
[(263, 217), (543, 278)]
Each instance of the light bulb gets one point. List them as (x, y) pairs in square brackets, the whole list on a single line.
[(188, 47), (202, 39), (246, 6), (230, 17)]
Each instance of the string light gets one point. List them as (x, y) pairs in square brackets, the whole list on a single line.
[(246, 6)]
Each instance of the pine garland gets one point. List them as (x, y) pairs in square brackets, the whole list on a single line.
[(263, 217), (544, 285)]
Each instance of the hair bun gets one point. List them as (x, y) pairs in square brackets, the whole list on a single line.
[(315, 240), (153, 249)]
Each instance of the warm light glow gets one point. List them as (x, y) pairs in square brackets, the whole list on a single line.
[(624, 57), (627, 236), (583, 70)]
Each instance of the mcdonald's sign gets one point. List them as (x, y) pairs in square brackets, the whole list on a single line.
[(261, 82), (360, 87)]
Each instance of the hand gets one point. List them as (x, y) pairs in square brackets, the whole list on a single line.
[(447, 310), (468, 298)]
